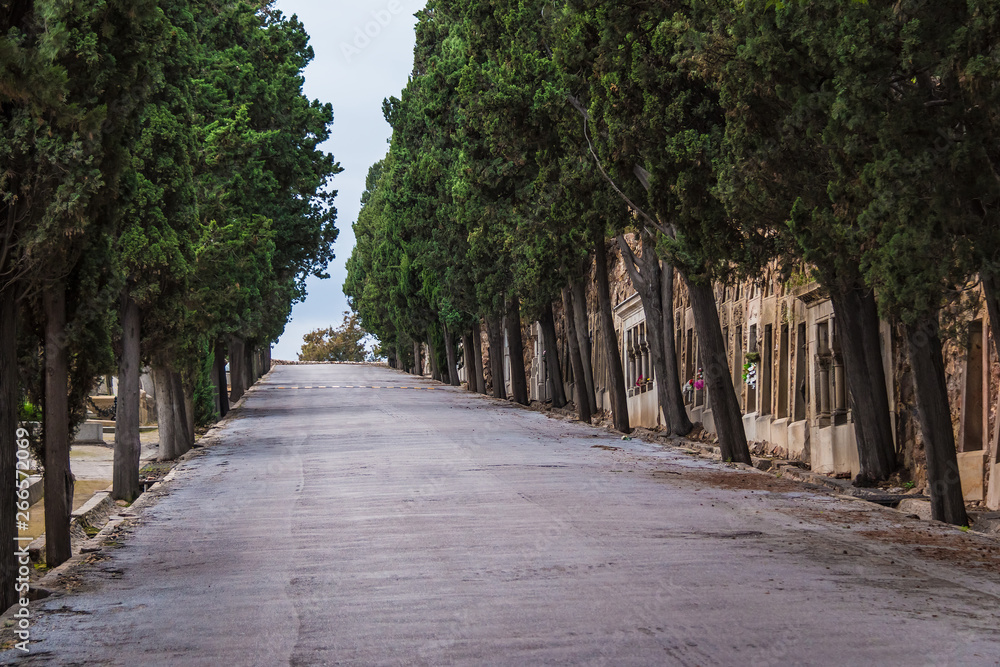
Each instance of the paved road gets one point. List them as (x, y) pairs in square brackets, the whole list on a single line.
[(372, 523)]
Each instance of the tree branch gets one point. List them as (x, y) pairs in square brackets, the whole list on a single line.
[(576, 104), (631, 263)]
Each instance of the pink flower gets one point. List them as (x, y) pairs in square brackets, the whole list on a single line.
[(699, 385)]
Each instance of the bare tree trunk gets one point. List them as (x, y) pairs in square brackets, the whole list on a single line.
[(125, 485), (249, 379), (183, 437), (9, 477), (166, 424), (857, 326), (583, 337), (449, 351), (237, 369), (646, 277), (579, 384), (518, 376), (715, 366), (189, 414), (418, 364), (927, 366), (467, 360), (432, 358), (551, 348), (58, 478), (470, 383), (477, 350), (494, 335), (213, 377), (991, 292), (220, 370), (619, 399), (678, 416)]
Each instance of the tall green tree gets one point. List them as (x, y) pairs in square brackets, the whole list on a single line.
[(794, 117), (68, 150), (658, 126), (157, 232), (263, 180)]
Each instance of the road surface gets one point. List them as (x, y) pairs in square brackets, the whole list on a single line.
[(359, 516)]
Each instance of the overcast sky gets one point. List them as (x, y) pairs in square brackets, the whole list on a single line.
[(364, 53)]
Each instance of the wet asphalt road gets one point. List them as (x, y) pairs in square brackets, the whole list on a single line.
[(403, 526)]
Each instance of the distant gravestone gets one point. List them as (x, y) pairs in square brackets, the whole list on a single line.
[(90, 433)]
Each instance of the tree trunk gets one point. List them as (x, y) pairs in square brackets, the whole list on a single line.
[(927, 366), (470, 383), (715, 367), (857, 324), (477, 353), (494, 335), (249, 379), (189, 414), (518, 376), (432, 358), (449, 351), (58, 478), (213, 378), (579, 384), (237, 369), (583, 337), (183, 435), (467, 354), (991, 292), (9, 478), (220, 369), (550, 345), (646, 277), (619, 399), (125, 485), (166, 424), (678, 416)]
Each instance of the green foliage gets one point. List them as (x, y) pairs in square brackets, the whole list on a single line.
[(164, 151), (865, 154), (486, 192), (344, 343), (29, 412), (267, 221), (205, 391)]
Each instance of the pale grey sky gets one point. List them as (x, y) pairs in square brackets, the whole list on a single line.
[(364, 53)]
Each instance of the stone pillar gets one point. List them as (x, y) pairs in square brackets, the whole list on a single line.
[(840, 404), (823, 367)]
